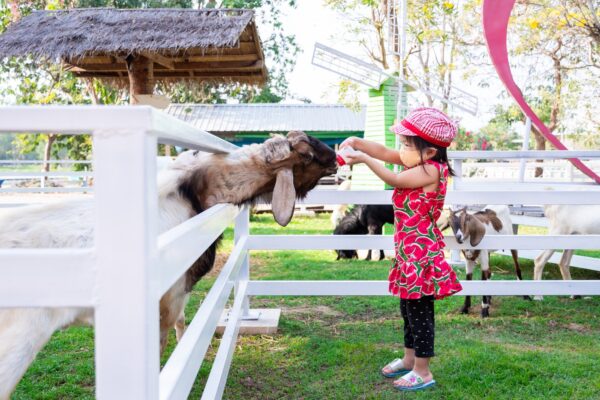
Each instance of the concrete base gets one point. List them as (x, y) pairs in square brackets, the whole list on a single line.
[(266, 324)]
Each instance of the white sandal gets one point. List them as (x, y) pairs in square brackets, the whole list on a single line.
[(397, 367), (415, 381)]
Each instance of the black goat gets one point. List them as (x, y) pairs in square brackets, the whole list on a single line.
[(364, 219)]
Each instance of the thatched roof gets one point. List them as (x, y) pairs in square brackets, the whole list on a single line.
[(208, 43)]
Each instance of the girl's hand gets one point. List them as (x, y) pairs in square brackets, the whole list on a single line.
[(352, 141), (355, 157)]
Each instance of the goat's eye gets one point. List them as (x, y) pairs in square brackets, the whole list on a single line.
[(307, 156)]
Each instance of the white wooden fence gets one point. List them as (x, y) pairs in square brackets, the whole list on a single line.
[(130, 266), (43, 176)]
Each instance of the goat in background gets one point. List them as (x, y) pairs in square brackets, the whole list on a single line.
[(566, 219), (280, 170), (492, 220), (364, 219)]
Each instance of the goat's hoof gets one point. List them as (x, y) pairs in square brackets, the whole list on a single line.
[(538, 298), (527, 298), (485, 312), (576, 297), (464, 310)]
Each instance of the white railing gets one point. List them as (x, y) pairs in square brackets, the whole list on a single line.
[(131, 265), (42, 176)]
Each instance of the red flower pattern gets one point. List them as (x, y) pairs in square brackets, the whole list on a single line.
[(419, 267)]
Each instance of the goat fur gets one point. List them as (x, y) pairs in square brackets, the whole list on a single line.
[(566, 219), (281, 169)]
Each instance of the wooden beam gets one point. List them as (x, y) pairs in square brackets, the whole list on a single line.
[(157, 58), (183, 66), (168, 74), (222, 58), (259, 49)]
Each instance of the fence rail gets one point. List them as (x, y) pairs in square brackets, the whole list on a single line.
[(135, 265)]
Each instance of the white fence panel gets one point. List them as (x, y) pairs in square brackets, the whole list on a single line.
[(32, 278)]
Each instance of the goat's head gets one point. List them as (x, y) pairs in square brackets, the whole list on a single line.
[(350, 225), (280, 170), (298, 161), (466, 226)]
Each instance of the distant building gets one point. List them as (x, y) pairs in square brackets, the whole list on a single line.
[(252, 123)]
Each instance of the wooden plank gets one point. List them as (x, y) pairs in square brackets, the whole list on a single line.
[(195, 66), (221, 58), (258, 47), (159, 59)]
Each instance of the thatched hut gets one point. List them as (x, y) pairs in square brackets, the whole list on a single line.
[(143, 46)]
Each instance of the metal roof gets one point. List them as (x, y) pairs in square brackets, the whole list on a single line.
[(270, 117)]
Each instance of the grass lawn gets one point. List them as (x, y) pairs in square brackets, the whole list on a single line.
[(333, 347)]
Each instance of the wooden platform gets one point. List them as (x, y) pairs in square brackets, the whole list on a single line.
[(266, 324)]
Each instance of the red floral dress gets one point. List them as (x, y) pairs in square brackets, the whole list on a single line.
[(419, 267)]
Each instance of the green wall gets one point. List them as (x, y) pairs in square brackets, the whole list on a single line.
[(381, 112)]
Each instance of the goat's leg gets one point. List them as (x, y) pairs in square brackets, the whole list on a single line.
[(180, 326), (375, 229), (539, 263), (23, 333), (515, 256), (485, 275), (172, 306), (465, 308), (565, 267)]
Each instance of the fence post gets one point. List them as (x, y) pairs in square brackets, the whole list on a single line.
[(457, 166), (525, 147), (126, 229), (242, 229)]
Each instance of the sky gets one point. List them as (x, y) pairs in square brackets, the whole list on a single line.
[(312, 22)]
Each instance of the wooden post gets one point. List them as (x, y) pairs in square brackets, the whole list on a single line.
[(141, 76)]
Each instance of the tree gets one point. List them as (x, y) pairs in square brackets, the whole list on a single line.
[(546, 33), (433, 35), (31, 82)]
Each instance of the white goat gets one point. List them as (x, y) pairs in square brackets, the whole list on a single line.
[(567, 219), (492, 220), (281, 169)]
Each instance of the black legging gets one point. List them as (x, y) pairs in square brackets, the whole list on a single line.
[(419, 325)]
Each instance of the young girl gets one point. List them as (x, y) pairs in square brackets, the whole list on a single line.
[(420, 273)]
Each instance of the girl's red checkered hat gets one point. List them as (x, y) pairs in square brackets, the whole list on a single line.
[(428, 123)]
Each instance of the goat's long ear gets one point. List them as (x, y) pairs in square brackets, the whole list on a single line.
[(284, 197), (300, 142), (476, 231)]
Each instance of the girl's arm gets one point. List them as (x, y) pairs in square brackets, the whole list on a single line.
[(373, 149), (410, 179)]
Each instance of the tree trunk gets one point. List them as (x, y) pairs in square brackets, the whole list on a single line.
[(540, 141), (141, 77)]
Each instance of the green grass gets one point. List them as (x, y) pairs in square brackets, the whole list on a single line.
[(333, 347)]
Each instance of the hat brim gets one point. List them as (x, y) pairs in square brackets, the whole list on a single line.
[(400, 129)]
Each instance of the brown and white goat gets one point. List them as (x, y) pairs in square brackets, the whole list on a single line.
[(281, 169), (567, 219), (492, 220)]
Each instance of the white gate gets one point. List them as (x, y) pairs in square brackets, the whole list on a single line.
[(131, 265)]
